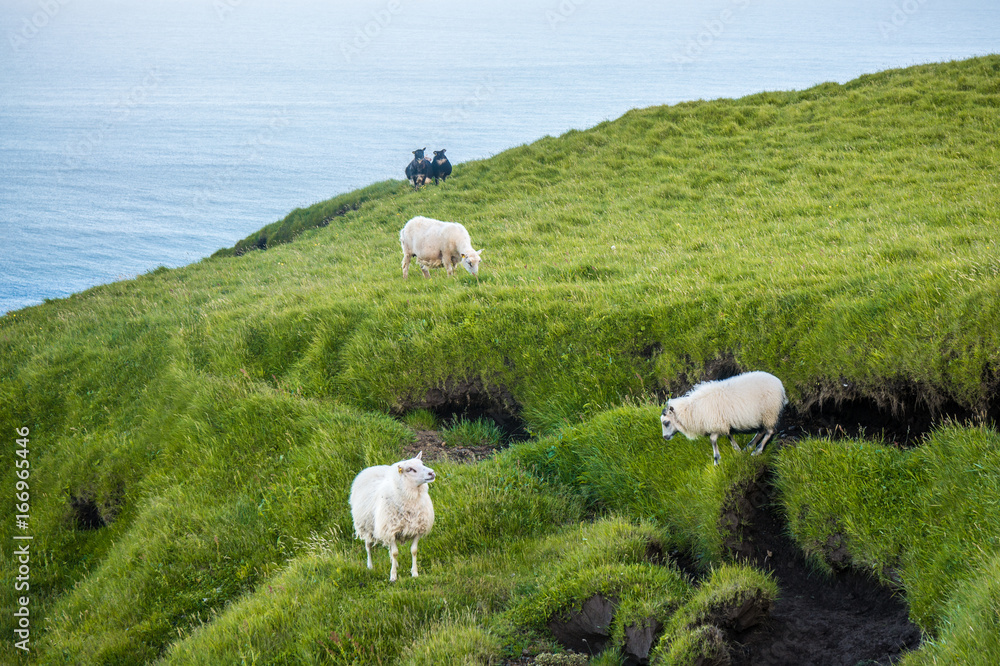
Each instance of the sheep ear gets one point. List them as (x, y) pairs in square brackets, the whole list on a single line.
[(419, 455), (481, 251)]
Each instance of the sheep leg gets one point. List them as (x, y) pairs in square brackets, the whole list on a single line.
[(393, 552), (368, 549), (763, 442), (756, 438), (715, 448), (425, 271), (413, 553), (406, 264), (732, 440)]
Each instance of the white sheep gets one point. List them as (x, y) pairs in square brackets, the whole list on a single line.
[(437, 243), (390, 503), (751, 401)]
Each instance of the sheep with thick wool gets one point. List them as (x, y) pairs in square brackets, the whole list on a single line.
[(420, 170), (389, 504), (751, 401), (437, 243)]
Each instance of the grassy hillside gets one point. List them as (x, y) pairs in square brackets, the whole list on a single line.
[(194, 432)]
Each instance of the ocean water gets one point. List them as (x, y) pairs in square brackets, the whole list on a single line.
[(141, 133)]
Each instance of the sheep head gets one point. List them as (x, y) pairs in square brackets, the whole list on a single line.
[(415, 471), (668, 419), (470, 261)]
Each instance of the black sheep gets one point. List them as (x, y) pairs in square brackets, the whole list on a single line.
[(440, 166), (418, 172)]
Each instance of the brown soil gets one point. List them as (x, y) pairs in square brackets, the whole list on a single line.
[(434, 449), (472, 399), (845, 619), (848, 618)]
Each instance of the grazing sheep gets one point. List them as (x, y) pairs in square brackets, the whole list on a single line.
[(751, 401), (440, 166), (418, 171), (437, 243), (390, 503)]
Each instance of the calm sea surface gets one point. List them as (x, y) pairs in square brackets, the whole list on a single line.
[(140, 133)]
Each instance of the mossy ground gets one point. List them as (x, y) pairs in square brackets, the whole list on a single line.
[(844, 238)]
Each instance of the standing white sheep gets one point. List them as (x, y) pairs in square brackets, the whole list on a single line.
[(390, 503), (437, 243), (751, 401)]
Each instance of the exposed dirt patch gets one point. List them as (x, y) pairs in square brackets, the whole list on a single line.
[(735, 619), (471, 399), (845, 619), (434, 449), (640, 639), (88, 512), (722, 367), (903, 421), (588, 629), (651, 351)]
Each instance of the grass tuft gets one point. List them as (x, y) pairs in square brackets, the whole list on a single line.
[(480, 432), (421, 419)]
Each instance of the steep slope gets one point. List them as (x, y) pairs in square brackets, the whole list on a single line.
[(193, 432)]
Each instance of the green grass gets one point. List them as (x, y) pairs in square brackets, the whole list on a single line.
[(619, 462), (843, 237), (926, 520), (421, 419), (970, 631), (693, 633), (478, 432)]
